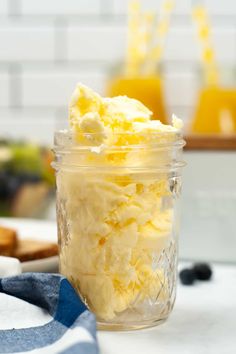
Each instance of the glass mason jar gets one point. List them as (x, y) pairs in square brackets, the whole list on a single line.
[(118, 226)]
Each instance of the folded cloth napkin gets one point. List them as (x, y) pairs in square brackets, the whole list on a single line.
[(9, 266), (64, 323)]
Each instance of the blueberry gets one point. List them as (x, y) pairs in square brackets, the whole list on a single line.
[(187, 276), (4, 185), (13, 185), (29, 178), (34, 178), (202, 271)]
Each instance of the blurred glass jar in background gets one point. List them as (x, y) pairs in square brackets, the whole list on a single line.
[(146, 88), (26, 178), (216, 107)]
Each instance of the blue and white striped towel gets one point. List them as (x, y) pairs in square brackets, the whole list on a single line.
[(70, 328)]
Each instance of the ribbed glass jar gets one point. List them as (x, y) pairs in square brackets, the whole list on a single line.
[(118, 225)]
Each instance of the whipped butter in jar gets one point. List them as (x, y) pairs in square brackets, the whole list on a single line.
[(118, 179)]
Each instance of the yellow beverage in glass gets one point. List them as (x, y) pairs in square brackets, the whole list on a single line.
[(216, 111), (147, 89), (216, 108)]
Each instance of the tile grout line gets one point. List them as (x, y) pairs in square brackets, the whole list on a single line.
[(108, 4), (56, 108), (14, 8), (109, 18), (60, 40), (15, 83), (90, 64)]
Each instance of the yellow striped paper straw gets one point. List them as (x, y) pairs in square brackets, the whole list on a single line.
[(159, 36), (132, 58), (200, 17), (146, 36)]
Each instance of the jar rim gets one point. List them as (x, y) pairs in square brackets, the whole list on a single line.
[(65, 145), (64, 141)]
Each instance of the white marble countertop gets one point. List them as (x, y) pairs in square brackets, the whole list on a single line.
[(203, 322)]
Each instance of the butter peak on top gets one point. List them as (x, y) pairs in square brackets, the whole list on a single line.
[(91, 113)]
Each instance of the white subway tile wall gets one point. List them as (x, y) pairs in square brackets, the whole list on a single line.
[(60, 7), (104, 43), (27, 124), (3, 7), (121, 6), (221, 7), (4, 89), (23, 42), (183, 7), (182, 44), (57, 85), (47, 46)]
